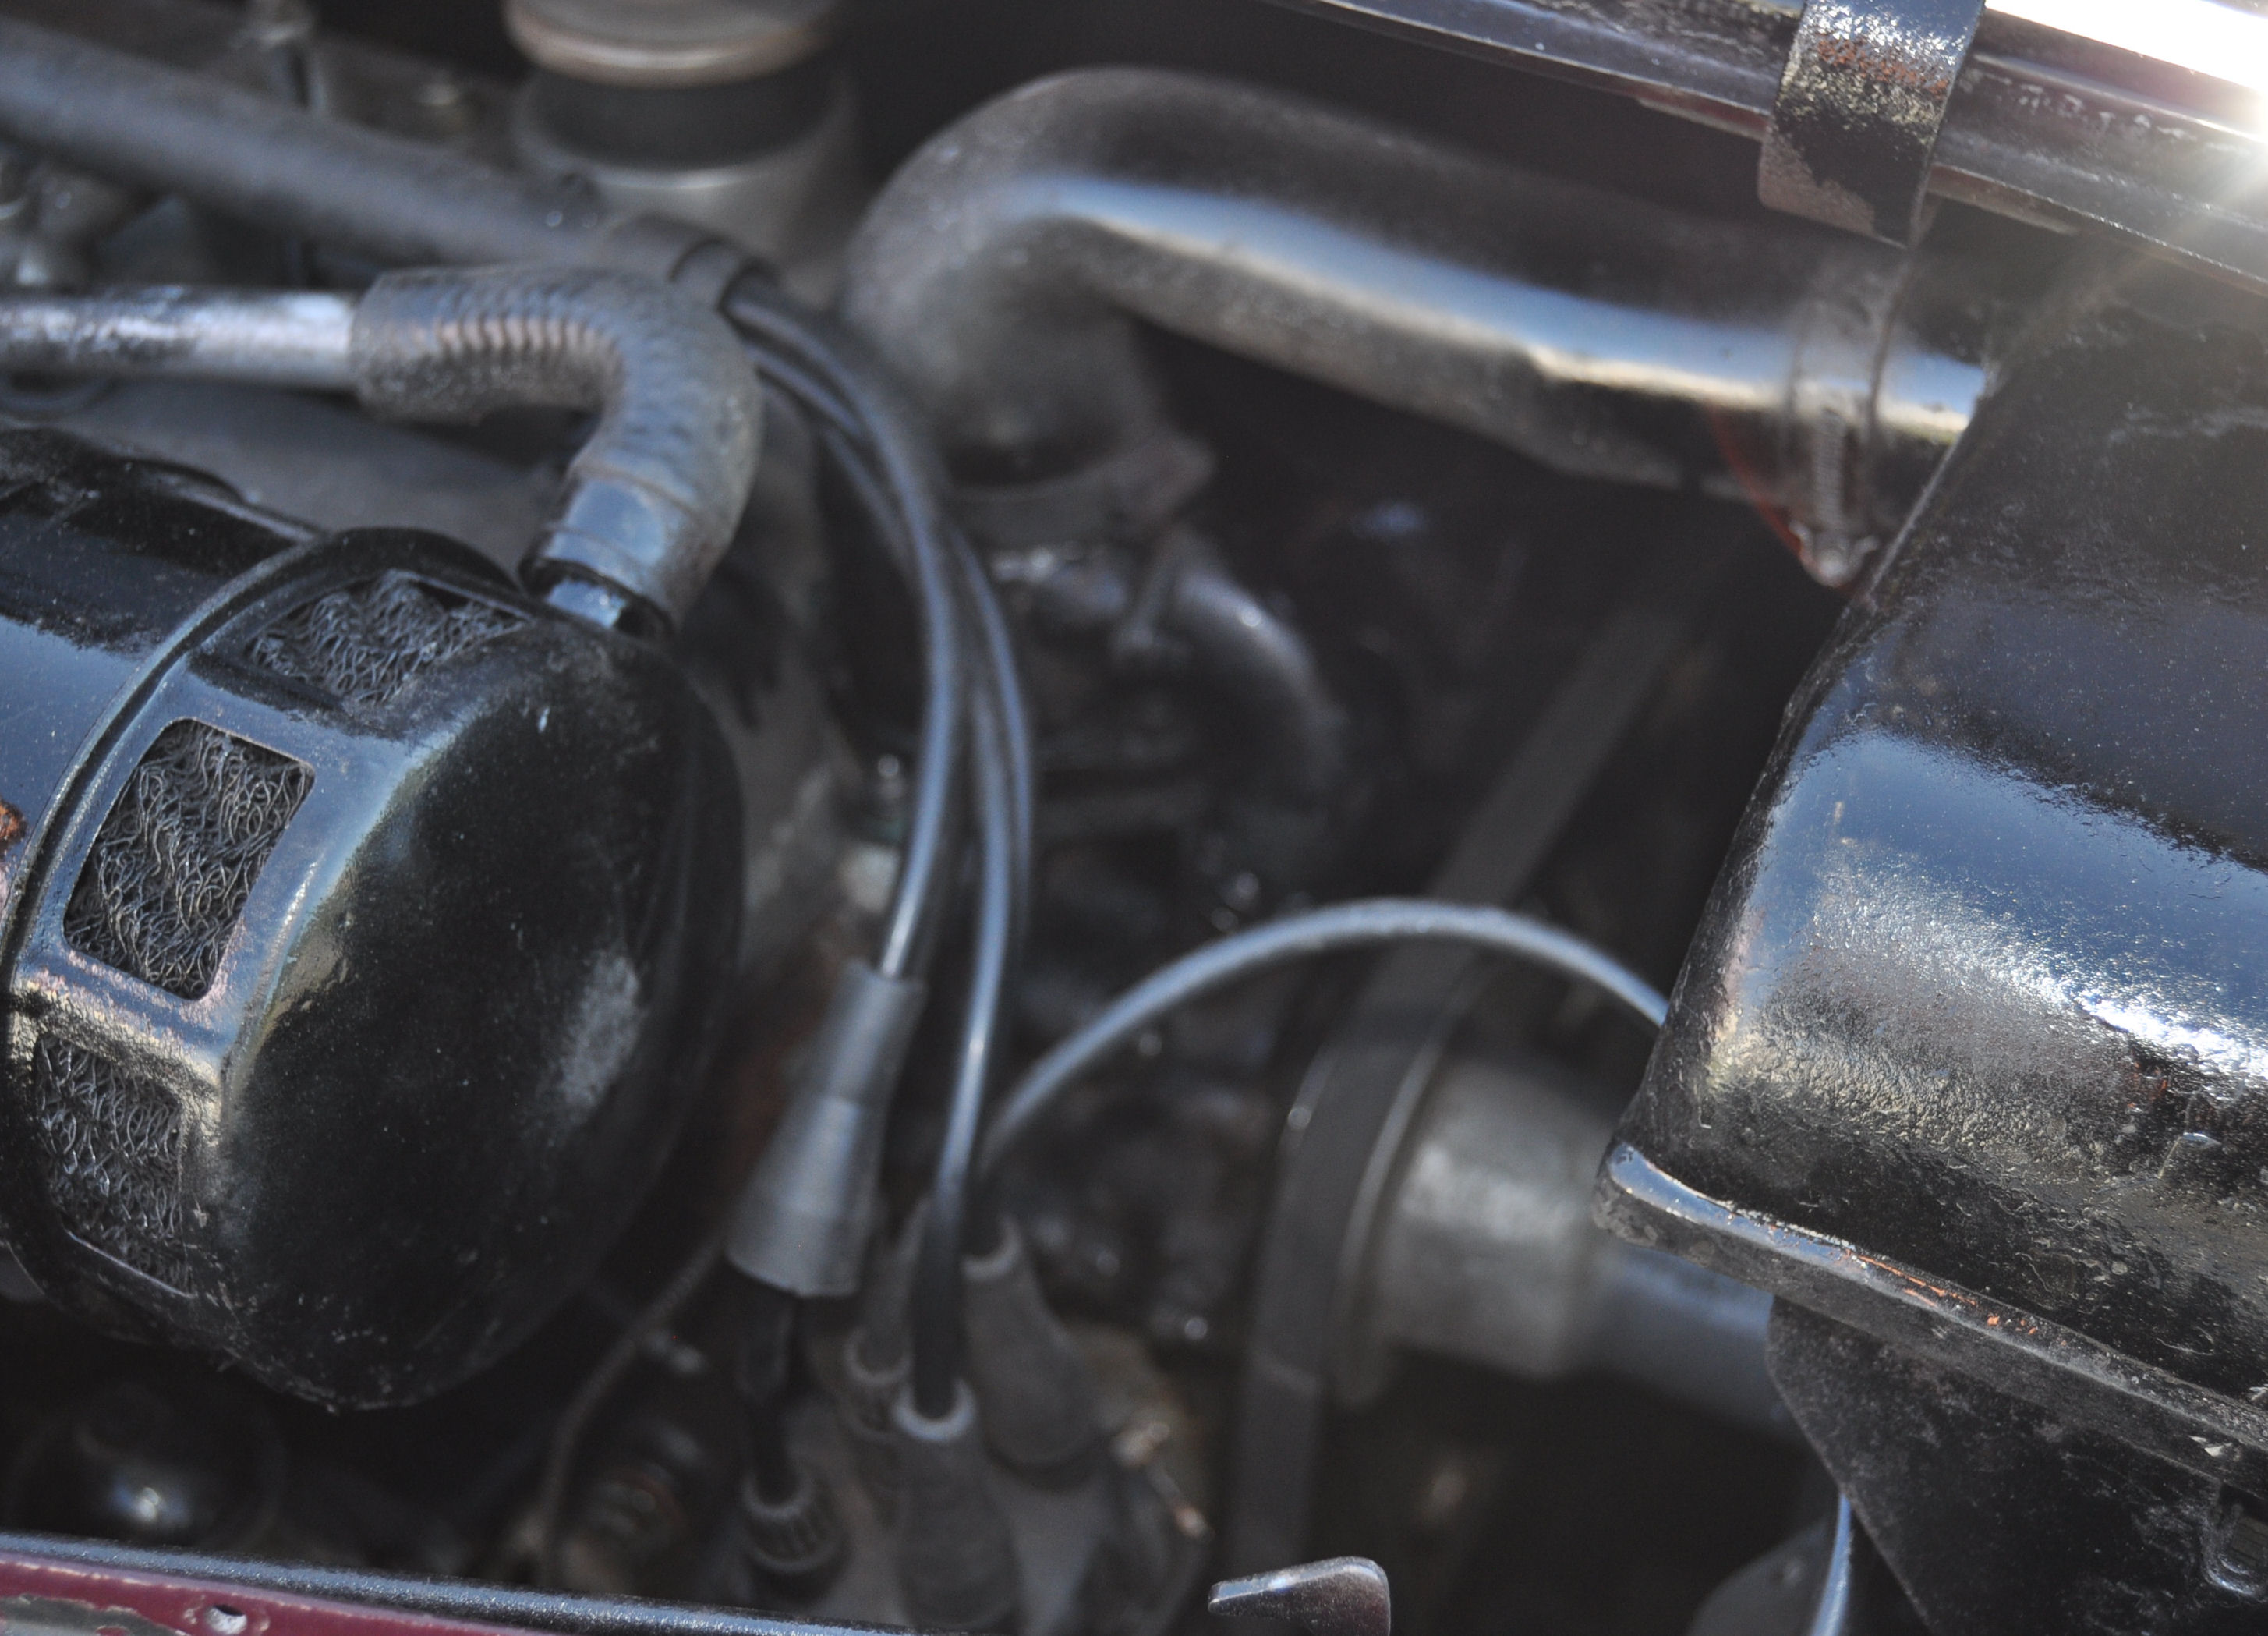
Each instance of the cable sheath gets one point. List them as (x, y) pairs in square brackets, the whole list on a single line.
[(1367, 924)]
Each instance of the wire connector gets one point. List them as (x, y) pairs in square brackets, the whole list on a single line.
[(803, 1221), (956, 1563), (1042, 1415)]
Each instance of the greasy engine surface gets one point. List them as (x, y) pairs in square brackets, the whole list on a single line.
[(948, 813)]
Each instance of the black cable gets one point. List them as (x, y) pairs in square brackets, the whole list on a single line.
[(802, 386), (789, 347), (1015, 721), (598, 1386), (849, 392), (921, 887), (918, 901), (981, 1234), (1366, 924), (864, 430), (811, 359), (935, 1303)]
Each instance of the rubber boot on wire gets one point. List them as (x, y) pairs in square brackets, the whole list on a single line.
[(1042, 1414), (956, 1563), (792, 1543)]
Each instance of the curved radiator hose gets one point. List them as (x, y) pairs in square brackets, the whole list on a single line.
[(1005, 270), (654, 495)]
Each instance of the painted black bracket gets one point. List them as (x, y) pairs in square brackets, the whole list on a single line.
[(1860, 103)]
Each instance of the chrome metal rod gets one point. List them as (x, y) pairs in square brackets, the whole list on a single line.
[(2059, 118), (1003, 269), (275, 339)]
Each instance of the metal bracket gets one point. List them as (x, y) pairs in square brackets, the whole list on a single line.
[(1860, 103), (1343, 1596)]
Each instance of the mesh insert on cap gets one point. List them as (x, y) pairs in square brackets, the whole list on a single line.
[(364, 642), (176, 858), (112, 1147)]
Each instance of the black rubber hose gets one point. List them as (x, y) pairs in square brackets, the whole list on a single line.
[(1366, 923), (398, 202), (935, 1303), (656, 492), (1263, 665), (652, 497), (870, 413)]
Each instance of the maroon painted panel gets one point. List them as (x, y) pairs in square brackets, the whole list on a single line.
[(191, 1606)]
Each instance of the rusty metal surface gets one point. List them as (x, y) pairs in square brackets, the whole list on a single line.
[(1860, 103)]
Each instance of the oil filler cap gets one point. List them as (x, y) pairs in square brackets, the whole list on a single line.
[(362, 920)]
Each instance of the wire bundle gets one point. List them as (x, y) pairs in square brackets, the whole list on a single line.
[(975, 733), (868, 433), (974, 741)]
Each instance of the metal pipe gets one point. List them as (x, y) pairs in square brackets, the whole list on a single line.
[(652, 497), (396, 200), (2065, 113), (286, 338), (1003, 270), (1265, 667)]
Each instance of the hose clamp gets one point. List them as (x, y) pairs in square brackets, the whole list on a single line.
[(1859, 111)]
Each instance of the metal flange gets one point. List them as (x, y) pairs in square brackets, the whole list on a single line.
[(663, 44)]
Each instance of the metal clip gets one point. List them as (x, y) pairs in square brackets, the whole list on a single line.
[(1343, 1596), (1859, 107)]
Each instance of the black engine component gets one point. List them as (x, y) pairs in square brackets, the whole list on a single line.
[(362, 919), (1968, 1060), (1200, 502)]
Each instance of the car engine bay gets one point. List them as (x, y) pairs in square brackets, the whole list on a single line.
[(1105, 817)]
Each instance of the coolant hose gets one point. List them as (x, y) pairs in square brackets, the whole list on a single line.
[(652, 497), (398, 202), (655, 493)]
